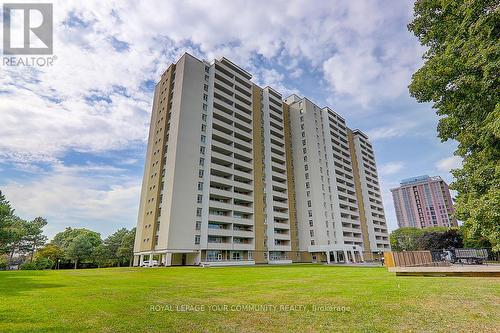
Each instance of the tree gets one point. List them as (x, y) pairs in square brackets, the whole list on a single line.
[(34, 234), (6, 221), (440, 238), (51, 252), (113, 242), (126, 250), (77, 244), (405, 239), (460, 77), (18, 233), (101, 255), (475, 242), (82, 246)]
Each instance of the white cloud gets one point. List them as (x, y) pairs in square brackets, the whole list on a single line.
[(45, 112), (374, 60), (98, 197), (392, 131), (449, 163), (391, 168)]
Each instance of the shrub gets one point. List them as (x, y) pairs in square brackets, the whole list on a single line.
[(44, 263), (37, 264), (28, 266), (3, 263)]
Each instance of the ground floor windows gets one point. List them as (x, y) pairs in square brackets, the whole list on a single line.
[(227, 255)]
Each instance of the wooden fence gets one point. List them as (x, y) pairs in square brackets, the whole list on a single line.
[(408, 259)]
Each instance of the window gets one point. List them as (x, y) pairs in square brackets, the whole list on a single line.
[(199, 199), (203, 138), (311, 223), (306, 167), (207, 69), (311, 232), (309, 204), (310, 213), (307, 184), (307, 175), (202, 150), (203, 127), (202, 161), (198, 211), (200, 173), (304, 142), (198, 225), (200, 186), (205, 87), (204, 117), (206, 77), (312, 241), (197, 239), (205, 97), (205, 107)]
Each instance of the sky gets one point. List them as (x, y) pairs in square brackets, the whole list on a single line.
[(73, 136)]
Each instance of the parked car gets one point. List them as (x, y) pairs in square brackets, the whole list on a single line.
[(145, 263)]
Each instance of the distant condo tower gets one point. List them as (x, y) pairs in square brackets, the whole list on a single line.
[(235, 174), (423, 202)]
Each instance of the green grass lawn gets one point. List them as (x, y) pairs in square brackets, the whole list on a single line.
[(131, 300)]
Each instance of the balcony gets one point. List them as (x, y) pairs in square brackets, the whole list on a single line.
[(281, 215), (279, 247), (282, 205), (239, 246), (220, 218), (220, 232), (243, 233), (281, 236)]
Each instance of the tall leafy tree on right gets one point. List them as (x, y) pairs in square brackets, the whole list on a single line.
[(460, 77)]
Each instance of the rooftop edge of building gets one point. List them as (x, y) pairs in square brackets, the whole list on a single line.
[(419, 179)]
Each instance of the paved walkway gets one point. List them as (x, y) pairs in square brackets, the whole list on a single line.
[(491, 270)]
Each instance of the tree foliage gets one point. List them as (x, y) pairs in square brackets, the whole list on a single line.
[(6, 224), (405, 239), (77, 244), (125, 251), (51, 252), (435, 238), (460, 77)]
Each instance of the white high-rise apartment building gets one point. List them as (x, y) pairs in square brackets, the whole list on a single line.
[(236, 175)]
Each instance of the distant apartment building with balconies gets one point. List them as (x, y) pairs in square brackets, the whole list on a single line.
[(422, 202), (235, 174)]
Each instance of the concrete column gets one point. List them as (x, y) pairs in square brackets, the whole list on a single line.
[(345, 256), (353, 256), (136, 261), (168, 259), (335, 259), (327, 257), (151, 259), (141, 259)]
